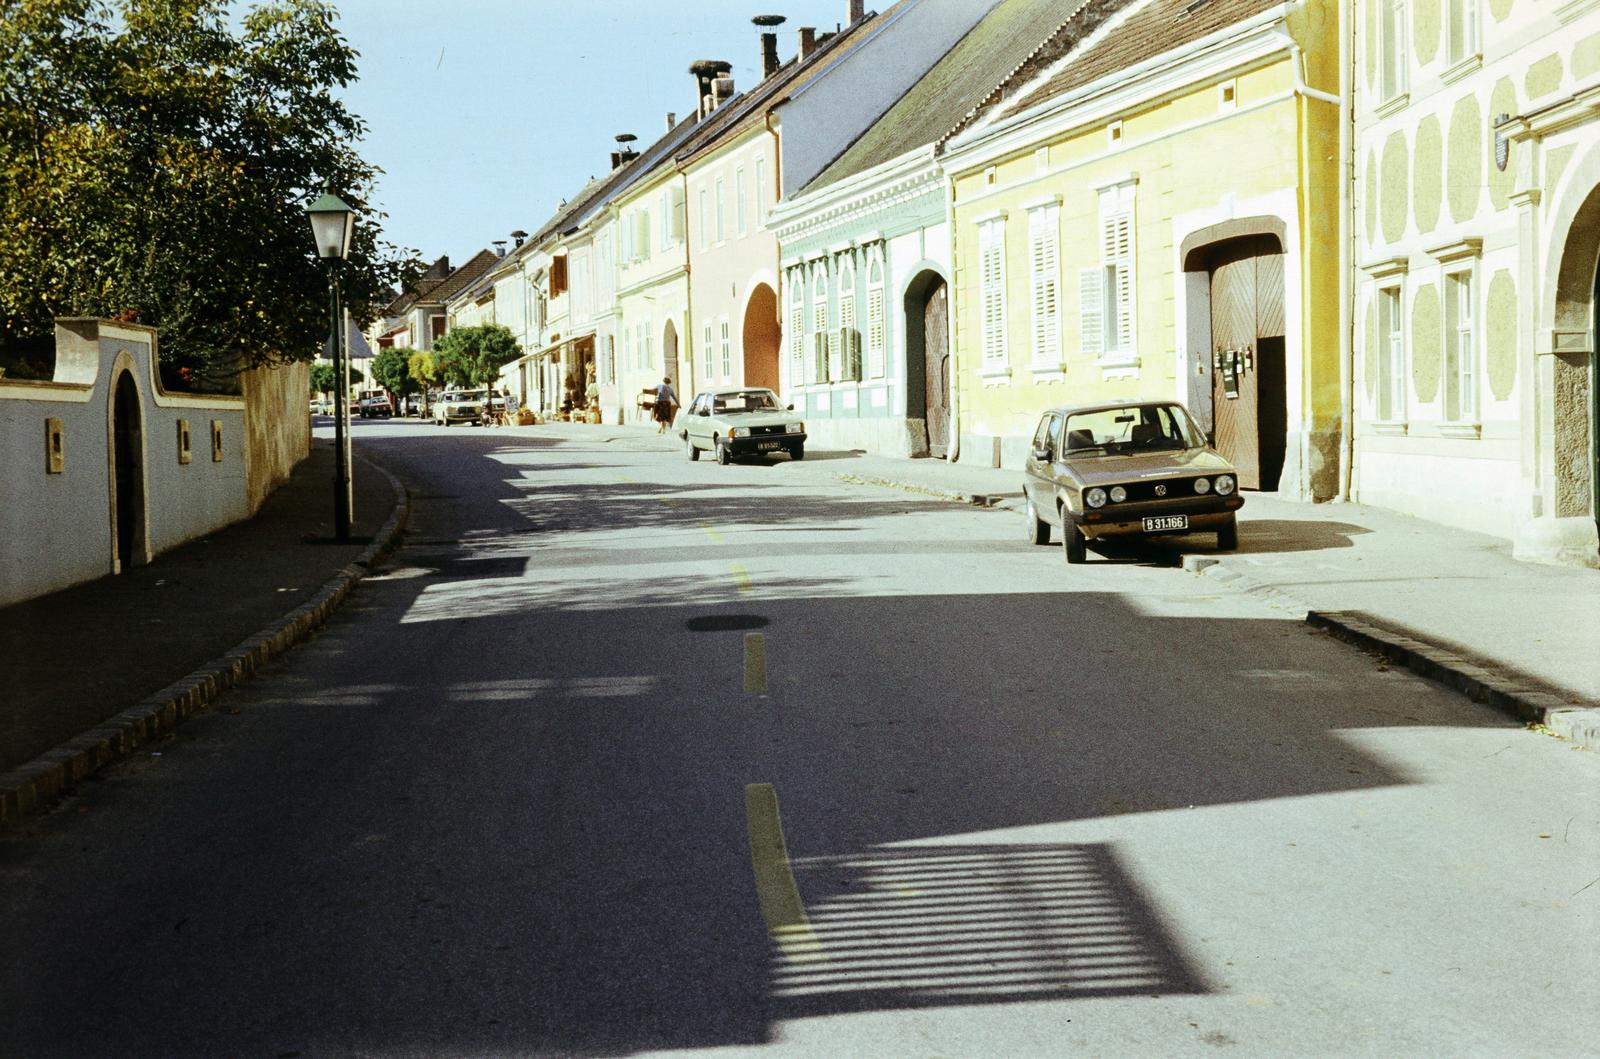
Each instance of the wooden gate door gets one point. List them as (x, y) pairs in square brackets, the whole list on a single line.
[(936, 375), (1247, 380)]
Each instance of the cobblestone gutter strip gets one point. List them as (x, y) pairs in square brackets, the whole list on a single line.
[(975, 499), (31, 788)]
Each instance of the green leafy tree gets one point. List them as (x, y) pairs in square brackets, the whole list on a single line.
[(156, 157), (323, 378), (424, 368), (393, 373), (473, 356)]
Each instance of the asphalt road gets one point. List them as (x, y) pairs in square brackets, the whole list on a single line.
[(624, 754)]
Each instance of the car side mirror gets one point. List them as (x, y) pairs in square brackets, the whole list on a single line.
[(1041, 454)]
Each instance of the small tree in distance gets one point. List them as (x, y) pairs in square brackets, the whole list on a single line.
[(424, 368), (393, 373), (473, 356), (323, 378)]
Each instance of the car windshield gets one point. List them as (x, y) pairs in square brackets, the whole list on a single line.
[(745, 401), (1134, 428), (470, 395)]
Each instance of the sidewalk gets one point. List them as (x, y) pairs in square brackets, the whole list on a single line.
[(95, 670), (1450, 604)]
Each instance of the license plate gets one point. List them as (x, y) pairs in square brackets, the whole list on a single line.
[(768, 446), (1166, 523)]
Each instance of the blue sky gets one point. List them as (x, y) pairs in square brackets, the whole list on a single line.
[(485, 114)]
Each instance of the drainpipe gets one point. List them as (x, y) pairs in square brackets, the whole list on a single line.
[(1347, 367), (688, 297), (954, 451)]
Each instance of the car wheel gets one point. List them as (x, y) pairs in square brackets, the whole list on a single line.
[(1073, 544), (1228, 536), (688, 444), (797, 452), (1038, 528), (724, 454)]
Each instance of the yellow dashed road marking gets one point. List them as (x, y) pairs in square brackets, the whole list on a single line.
[(755, 663), (713, 534), (741, 578), (775, 886)]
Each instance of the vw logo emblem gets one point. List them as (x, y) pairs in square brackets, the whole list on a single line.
[(1161, 490)]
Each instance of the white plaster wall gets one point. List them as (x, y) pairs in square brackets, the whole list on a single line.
[(57, 528)]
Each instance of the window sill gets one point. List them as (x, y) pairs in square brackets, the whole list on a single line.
[(1394, 105), (1394, 429), (995, 376), (1462, 68), (1466, 431), (1114, 365), (1048, 372)]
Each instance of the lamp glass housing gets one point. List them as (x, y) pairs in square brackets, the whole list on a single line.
[(332, 223)]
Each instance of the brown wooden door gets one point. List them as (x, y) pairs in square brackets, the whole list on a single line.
[(1247, 379), (936, 375)]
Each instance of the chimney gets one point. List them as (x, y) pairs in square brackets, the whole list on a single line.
[(855, 9), (624, 151), (721, 90), (808, 41), (499, 247), (705, 71), (769, 42), (672, 121), (519, 235)]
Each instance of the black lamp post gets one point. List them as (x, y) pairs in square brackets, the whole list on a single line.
[(332, 223)]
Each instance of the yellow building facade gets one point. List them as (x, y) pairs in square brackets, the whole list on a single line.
[(1153, 209)]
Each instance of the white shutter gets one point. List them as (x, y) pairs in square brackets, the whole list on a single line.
[(675, 208), (707, 356), (1042, 229), (797, 341), (1091, 310), (1116, 228), (991, 269), (875, 335)]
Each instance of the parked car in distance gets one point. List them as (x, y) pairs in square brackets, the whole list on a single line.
[(1130, 469), (321, 406), (741, 422), (463, 406), (374, 404)]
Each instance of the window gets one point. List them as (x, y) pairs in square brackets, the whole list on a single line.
[(608, 362), (727, 352), (1460, 351), (739, 199), (1043, 228), (647, 342), (627, 348), (819, 322), (875, 326), (797, 327), (558, 276), (722, 213), (706, 353), (664, 210), (704, 229), (1391, 357), (1392, 41), (848, 348), (992, 288), (1461, 30), (1106, 293), (761, 190), (675, 214)]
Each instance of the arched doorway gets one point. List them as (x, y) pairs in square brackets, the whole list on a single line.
[(669, 357), (1572, 386), (127, 479), (1249, 414), (927, 322), (763, 338)]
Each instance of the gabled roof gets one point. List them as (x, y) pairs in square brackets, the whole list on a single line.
[(458, 280), (1143, 30), (991, 51), (749, 109)]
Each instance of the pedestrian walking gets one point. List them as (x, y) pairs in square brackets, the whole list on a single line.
[(666, 405)]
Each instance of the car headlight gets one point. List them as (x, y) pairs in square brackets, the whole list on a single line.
[(1225, 484), (1095, 497), (1202, 485), (1118, 493), (797, 428), (739, 432)]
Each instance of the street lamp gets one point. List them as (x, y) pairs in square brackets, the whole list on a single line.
[(332, 223)]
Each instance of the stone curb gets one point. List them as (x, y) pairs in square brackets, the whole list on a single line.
[(31, 787)]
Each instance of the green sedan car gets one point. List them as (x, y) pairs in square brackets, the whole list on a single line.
[(742, 422), (1134, 469)]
